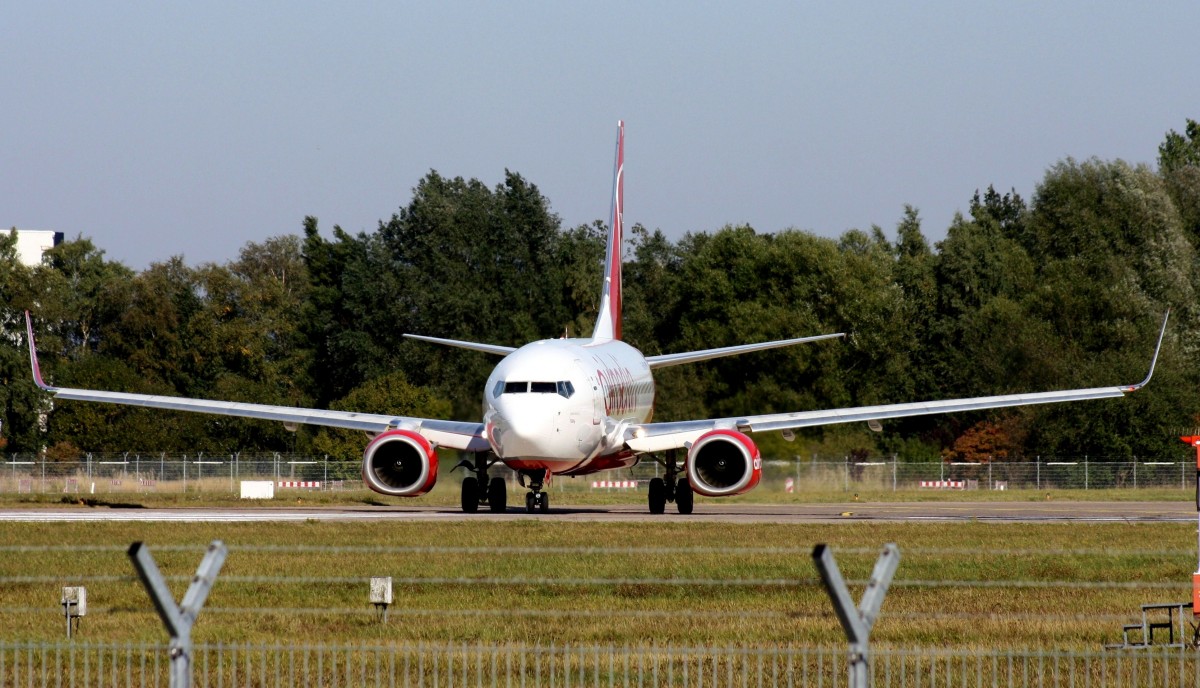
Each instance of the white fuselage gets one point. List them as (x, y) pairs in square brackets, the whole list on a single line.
[(563, 404)]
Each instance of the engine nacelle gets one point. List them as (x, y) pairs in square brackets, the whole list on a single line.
[(723, 463), (400, 463)]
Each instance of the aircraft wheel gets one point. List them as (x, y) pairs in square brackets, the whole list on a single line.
[(530, 502), (684, 496), (497, 495), (658, 496), (470, 495), (544, 503)]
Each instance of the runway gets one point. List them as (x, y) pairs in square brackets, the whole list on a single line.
[(1016, 512)]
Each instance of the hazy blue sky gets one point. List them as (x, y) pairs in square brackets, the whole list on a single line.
[(165, 128)]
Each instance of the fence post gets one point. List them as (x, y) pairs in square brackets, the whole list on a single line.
[(893, 472), (1135, 472), (857, 622), (1039, 472), (1085, 472), (178, 620)]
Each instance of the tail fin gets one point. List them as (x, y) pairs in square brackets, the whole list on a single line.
[(608, 325)]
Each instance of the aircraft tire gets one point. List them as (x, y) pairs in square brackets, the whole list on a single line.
[(470, 495), (497, 495), (658, 496), (530, 502), (684, 496), (544, 502)]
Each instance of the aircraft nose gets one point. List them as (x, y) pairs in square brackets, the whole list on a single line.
[(519, 432)]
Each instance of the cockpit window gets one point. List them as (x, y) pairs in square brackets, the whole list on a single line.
[(563, 388)]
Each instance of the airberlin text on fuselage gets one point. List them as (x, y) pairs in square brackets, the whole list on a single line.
[(617, 383)]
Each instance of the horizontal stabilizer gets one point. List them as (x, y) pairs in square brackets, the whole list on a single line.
[(474, 346), (692, 356)]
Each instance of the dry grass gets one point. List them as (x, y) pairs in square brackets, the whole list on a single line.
[(959, 585)]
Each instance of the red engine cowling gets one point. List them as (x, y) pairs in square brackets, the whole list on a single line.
[(723, 463), (400, 463)]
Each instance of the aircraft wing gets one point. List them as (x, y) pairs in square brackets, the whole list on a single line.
[(443, 433), (653, 437)]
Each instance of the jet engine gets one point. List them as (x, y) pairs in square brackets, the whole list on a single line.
[(400, 463), (723, 463)]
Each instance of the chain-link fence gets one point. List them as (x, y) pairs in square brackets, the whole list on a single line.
[(222, 473), (463, 664)]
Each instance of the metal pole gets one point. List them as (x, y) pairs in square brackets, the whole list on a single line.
[(179, 620), (857, 622)]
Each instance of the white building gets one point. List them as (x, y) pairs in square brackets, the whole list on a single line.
[(32, 243)]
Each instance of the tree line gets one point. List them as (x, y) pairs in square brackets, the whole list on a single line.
[(1065, 289)]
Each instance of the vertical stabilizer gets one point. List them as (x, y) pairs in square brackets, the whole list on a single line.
[(608, 325)]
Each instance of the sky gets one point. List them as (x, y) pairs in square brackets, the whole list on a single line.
[(171, 128)]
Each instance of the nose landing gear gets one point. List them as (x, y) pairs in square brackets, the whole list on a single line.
[(535, 499)]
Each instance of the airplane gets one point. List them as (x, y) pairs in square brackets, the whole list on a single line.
[(572, 407)]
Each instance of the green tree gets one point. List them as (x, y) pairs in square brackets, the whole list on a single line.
[(471, 263), (21, 404), (1179, 165)]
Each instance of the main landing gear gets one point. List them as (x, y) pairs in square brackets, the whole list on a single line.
[(535, 499), (670, 489), (478, 489)]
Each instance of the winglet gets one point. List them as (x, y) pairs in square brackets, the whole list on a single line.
[(1153, 361), (608, 325), (33, 361)]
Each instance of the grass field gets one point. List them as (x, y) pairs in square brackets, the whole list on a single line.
[(967, 585)]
